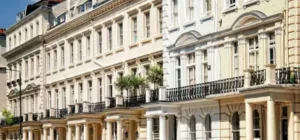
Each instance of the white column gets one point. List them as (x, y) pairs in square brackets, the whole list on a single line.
[(162, 128), (149, 128), (24, 135), (178, 119), (45, 134), (271, 123), (108, 131), (30, 137), (249, 122), (103, 136), (198, 69), (119, 130), (77, 132), (51, 133), (69, 137), (86, 132)]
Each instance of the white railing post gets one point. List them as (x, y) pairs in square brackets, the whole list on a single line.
[(119, 100), (162, 94), (85, 106), (107, 102), (247, 77), (148, 95), (270, 74)]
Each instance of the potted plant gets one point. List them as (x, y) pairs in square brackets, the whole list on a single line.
[(8, 116)]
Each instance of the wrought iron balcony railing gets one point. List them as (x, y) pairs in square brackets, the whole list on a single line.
[(97, 107), (47, 113), (61, 113), (154, 94), (35, 117), (134, 101), (72, 109), (26, 118), (112, 102), (258, 77), (204, 89), (289, 75), (80, 108)]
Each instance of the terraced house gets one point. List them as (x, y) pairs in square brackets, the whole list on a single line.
[(230, 71), (70, 54)]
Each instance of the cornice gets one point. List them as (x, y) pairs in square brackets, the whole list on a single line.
[(27, 44), (26, 19), (85, 18)]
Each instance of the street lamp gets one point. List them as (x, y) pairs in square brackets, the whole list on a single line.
[(20, 88)]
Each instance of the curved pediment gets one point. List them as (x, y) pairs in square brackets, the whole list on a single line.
[(30, 87), (249, 18), (187, 38), (13, 92)]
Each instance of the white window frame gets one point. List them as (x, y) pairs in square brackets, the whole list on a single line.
[(80, 92), (178, 72), (109, 38), (147, 24), (235, 58), (174, 4), (55, 59), (134, 29), (120, 33), (79, 46), (62, 55), (71, 53), (253, 49), (99, 42), (100, 88), (160, 19), (32, 66), (90, 90), (88, 46), (190, 9), (272, 46), (72, 94)]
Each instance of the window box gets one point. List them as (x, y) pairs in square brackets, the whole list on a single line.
[(188, 24), (250, 2)]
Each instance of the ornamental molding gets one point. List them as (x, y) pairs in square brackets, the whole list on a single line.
[(85, 18)]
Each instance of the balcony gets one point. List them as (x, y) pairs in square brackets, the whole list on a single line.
[(61, 113), (80, 108), (270, 75), (97, 107), (35, 117), (47, 113), (72, 109), (112, 102), (134, 101), (203, 90)]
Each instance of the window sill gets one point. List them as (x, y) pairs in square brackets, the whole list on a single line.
[(88, 60), (99, 56), (119, 49), (157, 37), (188, 24), (79, 63), (108, 53), (62, 69), (173, 29), (250, 3), (47, 74), (145, 41), (230, 9), (133, 45), (206, 17), (71, 66), (38, 76), (26, 80), (55, 71), (31, 78)]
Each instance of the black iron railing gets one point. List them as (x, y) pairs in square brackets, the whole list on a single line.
[(13, 121), (204, 89), (97, 107), (61, 113), (258, 77), (72, 111), (134, 101), (26, 118), (112, 103), (154, 95), (47, 113), (80, 108), (289, 75), (35, 117)]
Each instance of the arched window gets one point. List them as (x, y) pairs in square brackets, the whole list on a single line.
[(208, 126), (256, 124), (235, 122), (193, 127)]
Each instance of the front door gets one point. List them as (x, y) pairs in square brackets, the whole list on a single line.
[(284, 123)]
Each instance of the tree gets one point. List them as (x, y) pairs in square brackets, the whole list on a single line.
[(123, 83), (155, 76), (130, 82), (8, 116)]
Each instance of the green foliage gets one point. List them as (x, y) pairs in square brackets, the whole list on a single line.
[(292, 78), (130, 82), (8, 116), (155, 75)]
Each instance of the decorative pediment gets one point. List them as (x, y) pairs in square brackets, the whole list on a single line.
[(187, 38), (248, 19), (30, 87), (13, 92)]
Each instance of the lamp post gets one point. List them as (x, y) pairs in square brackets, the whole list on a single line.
[(20, 88)]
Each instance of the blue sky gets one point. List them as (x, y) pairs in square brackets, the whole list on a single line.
[(9, 9)]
